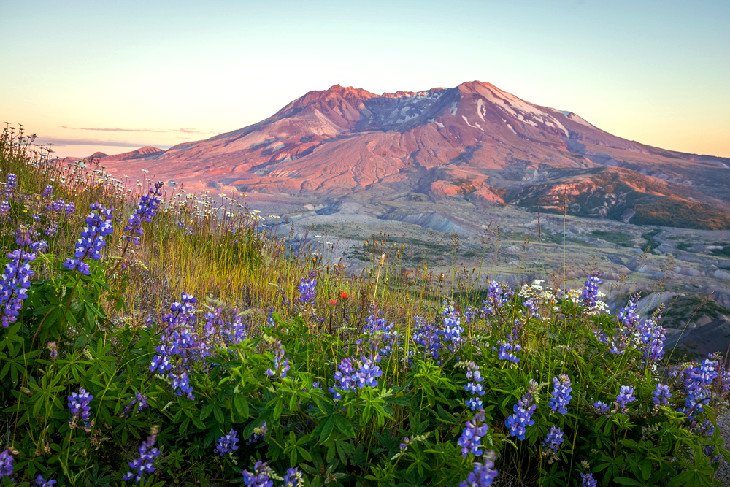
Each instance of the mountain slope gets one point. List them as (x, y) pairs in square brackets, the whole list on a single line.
[(475, 142)]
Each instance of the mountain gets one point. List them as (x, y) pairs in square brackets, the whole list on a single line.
[(137, 154), (474, 142)]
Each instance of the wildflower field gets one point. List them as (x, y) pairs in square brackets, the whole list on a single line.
[(153, 337)]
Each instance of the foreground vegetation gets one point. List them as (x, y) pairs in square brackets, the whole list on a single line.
[(154, 337)]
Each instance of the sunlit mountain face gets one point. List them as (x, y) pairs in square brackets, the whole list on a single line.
[(474, 142)]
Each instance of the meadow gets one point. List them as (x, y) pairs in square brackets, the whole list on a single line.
[(155, 337)]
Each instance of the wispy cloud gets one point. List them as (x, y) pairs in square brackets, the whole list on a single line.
[(91, 141), (184, 130)]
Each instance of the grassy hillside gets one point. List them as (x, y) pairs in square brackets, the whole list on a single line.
[(155, 337)]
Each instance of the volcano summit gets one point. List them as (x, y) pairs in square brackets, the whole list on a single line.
[(474, 142)]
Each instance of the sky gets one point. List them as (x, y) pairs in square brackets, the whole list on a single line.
[(113, 76)]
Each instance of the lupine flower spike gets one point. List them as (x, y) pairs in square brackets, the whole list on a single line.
[(470, 440), (483, 474), (625, 396), (474, 386), (561, 394), (227, 443), (42, 482), (146, 209), (78, 403), (145, 463), (6, 464), (261, 476), (14, 285), (93, 239), (522, 417)]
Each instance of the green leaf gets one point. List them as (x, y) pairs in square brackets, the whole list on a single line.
[(305, 454), (218, 413), (241, 405), (344, 425), (626, 481), (327, 428), (205, 412), (645, 467)]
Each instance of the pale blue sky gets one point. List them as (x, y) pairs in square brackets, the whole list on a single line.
[(653, 71)]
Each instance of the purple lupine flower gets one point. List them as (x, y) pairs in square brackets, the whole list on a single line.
[(259, 433), (483, 474), (56, 205), (235, 331), (628, 317), (161, 362), (181, 385), (589, 296), (227, 443), (93, 239), (47, 191), (14, 285), (181, 346), (470, 440), (281, 362), (427, 335), (470, 315), (705, 428), (367, 374), (214, 323), (495, 299), (532, 309), (561, 394), (625, 396), (522, 417), (307, 290), (347, 378), (507, 351), (4, 208), (78, 403), (145, 463), (139, 401), (601, 336), (651, 336), (51, 229), (42, 482), (293, 478), (474, 386), (52, 350), (6, 464), (587, 480), (344, 380), (509, 348), (261, 476), (554, 439), (382, 335), (11, 184), (697, 381), (25, 237), (404, 443), (452, 327), (661, 395), (601, 407), (145, 211)]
